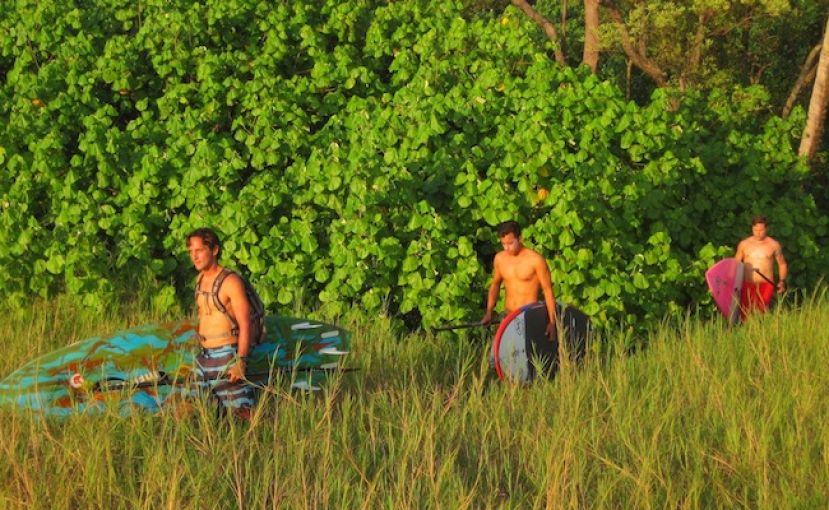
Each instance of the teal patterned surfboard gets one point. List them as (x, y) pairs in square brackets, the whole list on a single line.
[(147, 367)]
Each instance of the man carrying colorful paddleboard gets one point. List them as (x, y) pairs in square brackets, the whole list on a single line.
[(759, 252), (524, 273), (225, 331)]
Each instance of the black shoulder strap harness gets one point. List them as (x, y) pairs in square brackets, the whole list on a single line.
[(257, 308)]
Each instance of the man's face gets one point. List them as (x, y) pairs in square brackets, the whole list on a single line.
[(201, 254), (759, 231), (511, 243)]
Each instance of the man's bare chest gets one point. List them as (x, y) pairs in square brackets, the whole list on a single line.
[(210, 300), (759, 251), (519, 272)]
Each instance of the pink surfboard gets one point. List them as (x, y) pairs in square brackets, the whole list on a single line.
[(725, 280)]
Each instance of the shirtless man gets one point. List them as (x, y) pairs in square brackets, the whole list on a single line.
[(524, 273), (224, 338), (759, 252)]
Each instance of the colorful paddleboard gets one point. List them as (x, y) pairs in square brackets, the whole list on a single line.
[(146, 367), (725, 281), (521, 345)]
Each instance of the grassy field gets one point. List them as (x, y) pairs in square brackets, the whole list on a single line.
[(704, 417)]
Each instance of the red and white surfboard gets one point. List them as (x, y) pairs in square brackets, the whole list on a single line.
[(521, 347)]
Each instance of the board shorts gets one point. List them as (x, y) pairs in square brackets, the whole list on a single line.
[(755, 296), (210, 372)]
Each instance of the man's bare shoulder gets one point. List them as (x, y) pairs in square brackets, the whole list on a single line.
[(775, 244), (233, 286), (530, 253)]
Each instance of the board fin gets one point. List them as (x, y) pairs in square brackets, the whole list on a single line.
[(332, 351), (304, 386)]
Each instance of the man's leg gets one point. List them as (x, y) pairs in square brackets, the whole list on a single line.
[(745, 300), (766, 294), (211, 371), (750, 300)]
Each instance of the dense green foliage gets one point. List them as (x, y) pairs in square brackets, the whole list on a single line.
[(705, 417), (357, 153)]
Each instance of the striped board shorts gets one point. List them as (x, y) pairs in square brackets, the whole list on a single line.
[(211, 370)]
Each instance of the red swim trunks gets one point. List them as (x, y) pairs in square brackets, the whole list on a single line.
[(755, 296)]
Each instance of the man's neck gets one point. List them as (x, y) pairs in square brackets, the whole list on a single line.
[(211, 271), (517, 252)]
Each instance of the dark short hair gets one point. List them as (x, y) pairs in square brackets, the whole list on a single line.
[(509, 227), (208, 237), (759, 219)]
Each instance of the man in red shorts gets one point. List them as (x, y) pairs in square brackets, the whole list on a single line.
[(759, 252)]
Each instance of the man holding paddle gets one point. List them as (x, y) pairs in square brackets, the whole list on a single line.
[(524, 273), (759, 252)]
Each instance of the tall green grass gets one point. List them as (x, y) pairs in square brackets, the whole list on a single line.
[(703, 417)]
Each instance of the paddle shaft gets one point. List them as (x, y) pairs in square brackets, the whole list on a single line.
[(764, 276), (451, 327), (164, 380)]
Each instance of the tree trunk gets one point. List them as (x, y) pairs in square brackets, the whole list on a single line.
[(563, 27), (590, 57), (628, 73), (689, 74), (544, 23), (817, 105)]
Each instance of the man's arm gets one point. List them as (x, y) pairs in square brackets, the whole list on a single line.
[(494, 290), (241, 311), (543, 273), (782, 269), (740, 255)]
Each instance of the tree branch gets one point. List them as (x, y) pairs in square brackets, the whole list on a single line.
[(807, 74), (639, 60), (548, 28)]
